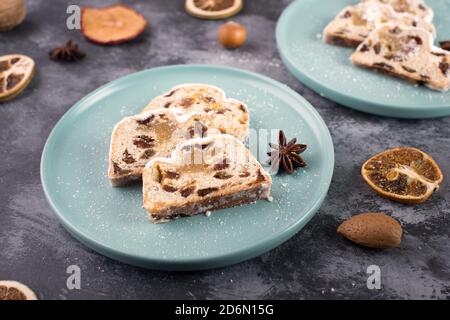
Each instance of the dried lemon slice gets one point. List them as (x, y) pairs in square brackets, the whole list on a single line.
[(213, 9), (112, 25), (16, 72), (406, 175), (13, 290)]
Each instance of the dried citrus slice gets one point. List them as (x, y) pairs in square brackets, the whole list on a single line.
[(406, 175), (213, 9), (13, 290), (112, 25), (16, 72)]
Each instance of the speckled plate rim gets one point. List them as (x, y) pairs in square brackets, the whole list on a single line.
[(416, 111), (185, 264)]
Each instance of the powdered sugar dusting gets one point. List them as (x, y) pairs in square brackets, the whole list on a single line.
[(115, 217), (331, 67)]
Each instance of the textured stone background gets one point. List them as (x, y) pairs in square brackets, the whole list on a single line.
[(316, 263)]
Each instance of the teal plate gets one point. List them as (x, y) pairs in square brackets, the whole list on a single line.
[(328, 70), (112, 220)]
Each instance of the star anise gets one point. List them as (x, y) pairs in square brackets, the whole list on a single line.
[(286, 154), (68, 52)]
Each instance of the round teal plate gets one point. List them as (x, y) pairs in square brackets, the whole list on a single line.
[(328, 70), (112, 220)]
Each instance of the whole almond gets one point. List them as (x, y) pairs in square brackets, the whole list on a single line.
[(374, 230)]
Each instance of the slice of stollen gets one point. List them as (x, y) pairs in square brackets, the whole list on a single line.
[(230, 116), (137, 139), (354, 23), (407, 53), (417, 8), (202, 175)]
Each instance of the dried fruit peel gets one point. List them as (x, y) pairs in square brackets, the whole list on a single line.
[(406, 175), (13, 290), (112, 25), (16, 72), (213, 9)]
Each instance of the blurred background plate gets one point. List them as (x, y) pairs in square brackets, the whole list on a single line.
[(328, 70), (112, 220)]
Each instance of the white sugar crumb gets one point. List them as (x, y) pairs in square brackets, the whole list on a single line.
[(270, 199), (115, 215), (126, 111), (208, 213)]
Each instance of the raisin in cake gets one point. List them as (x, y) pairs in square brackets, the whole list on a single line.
[(137, 139), (354, 23), (229, 115), (407, 53), (201, 175), (417, 8)]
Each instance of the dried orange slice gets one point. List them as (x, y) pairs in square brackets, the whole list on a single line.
[(213, 9), (13, 290), (406, 175), (16, 72), (112, 25)]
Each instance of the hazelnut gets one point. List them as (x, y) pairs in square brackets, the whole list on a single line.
[(232, 35)]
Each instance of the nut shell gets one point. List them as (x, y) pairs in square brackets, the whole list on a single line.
[(12, 13), (373, 230)]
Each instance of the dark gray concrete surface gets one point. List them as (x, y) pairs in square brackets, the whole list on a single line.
[(316, 263)]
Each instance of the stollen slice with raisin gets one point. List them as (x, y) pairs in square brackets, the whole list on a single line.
[(406, 175), (13, 290), (405, 52), (202, 175), (417, 8), (229, 115), (16, 72), (137, 139), (354, 23), (213, 9)]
